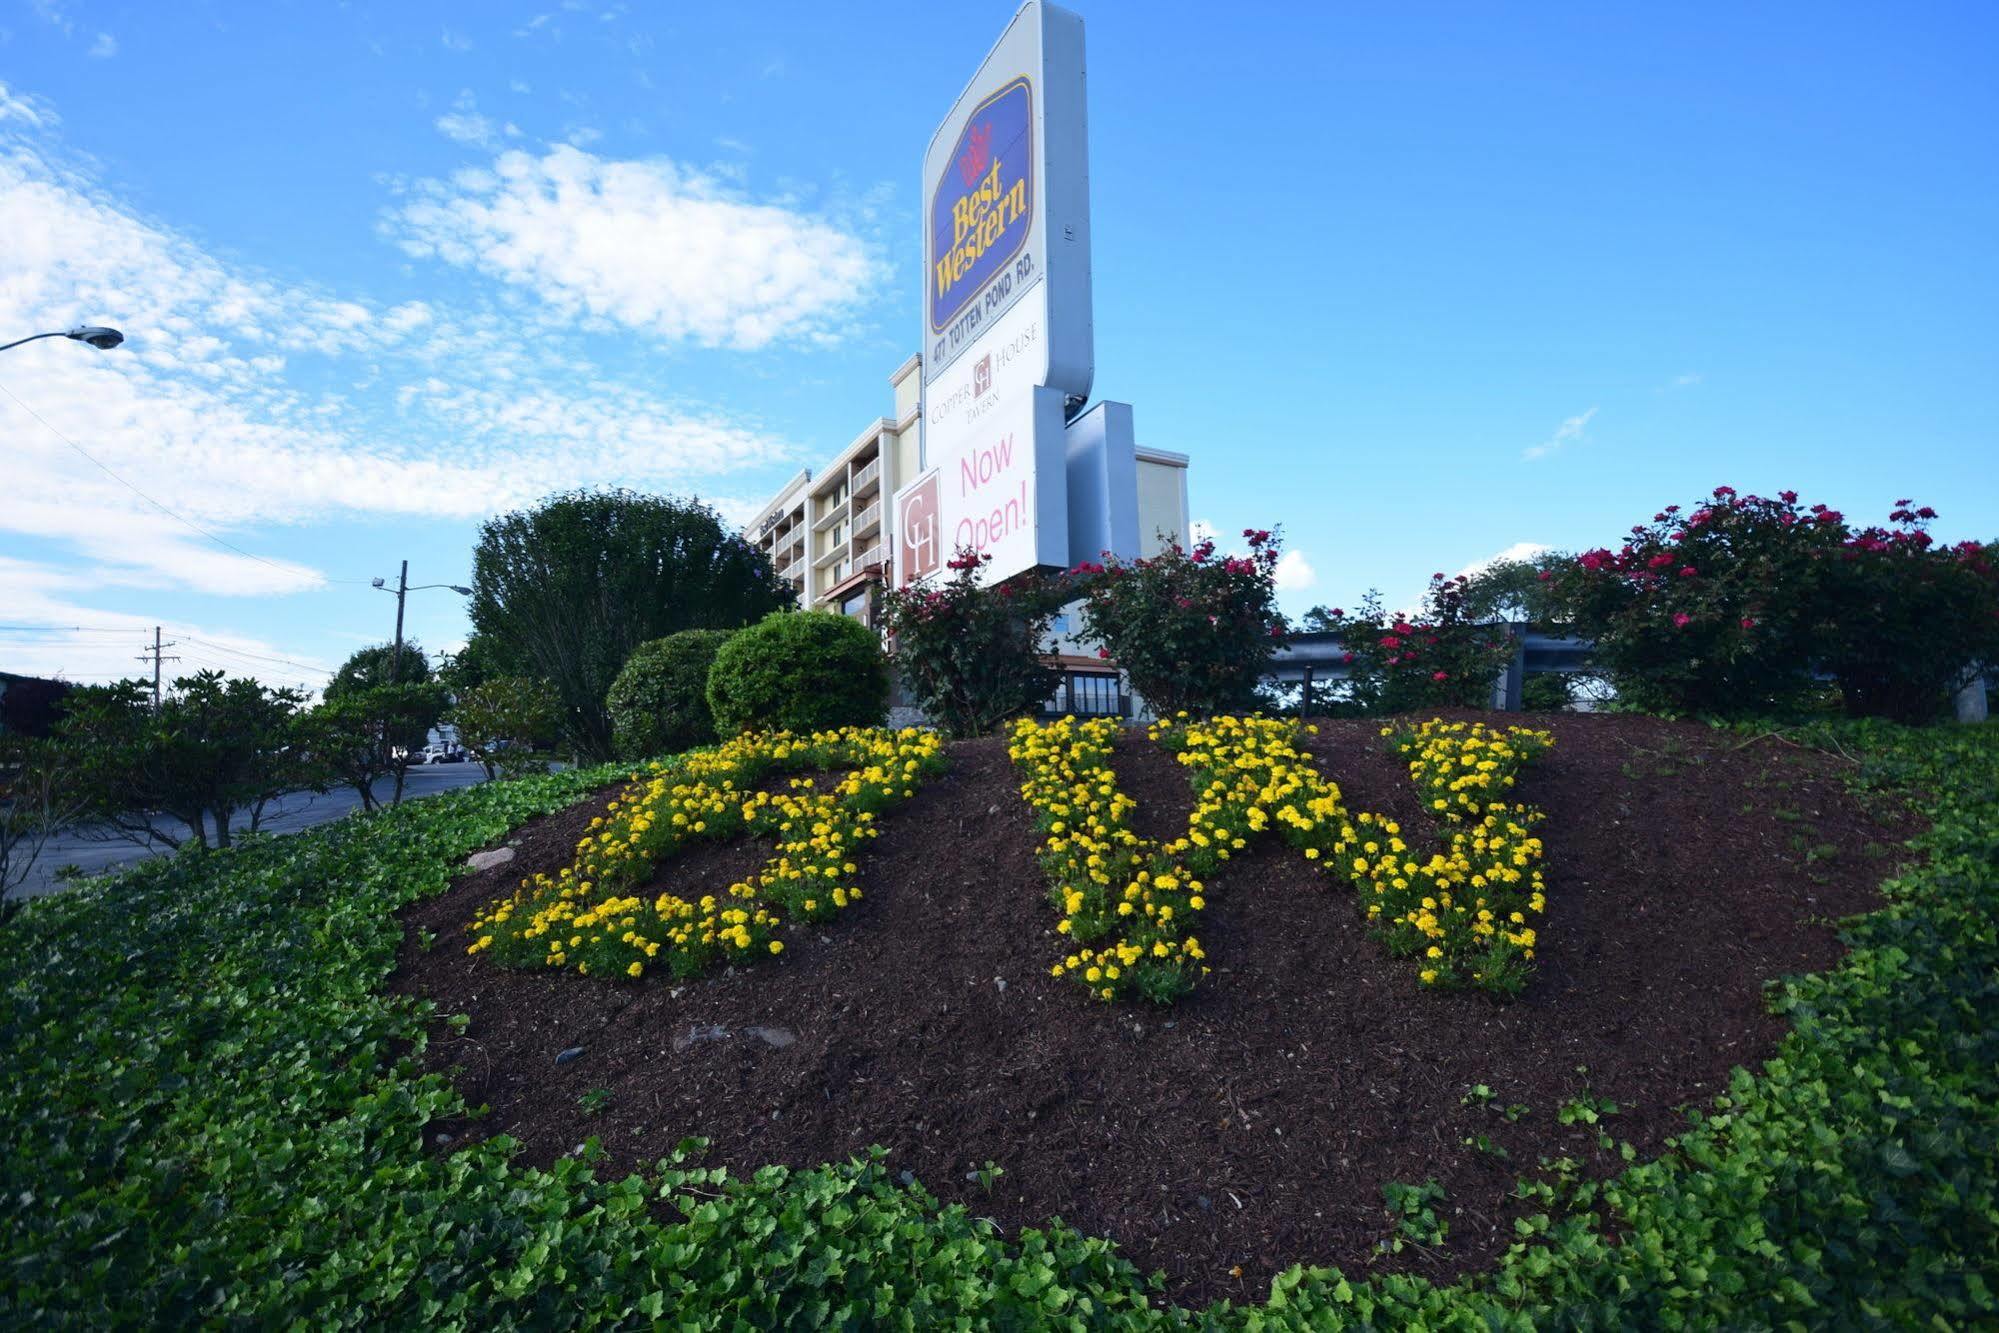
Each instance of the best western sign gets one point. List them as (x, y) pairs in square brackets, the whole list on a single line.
[(1007, 327)]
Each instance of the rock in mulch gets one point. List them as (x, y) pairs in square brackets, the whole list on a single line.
[(486, 860)]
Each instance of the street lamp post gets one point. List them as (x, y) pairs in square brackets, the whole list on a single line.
[(403, 589), (96, 335)]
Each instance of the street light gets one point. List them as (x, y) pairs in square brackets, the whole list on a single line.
[(96, 335), (403, 589)]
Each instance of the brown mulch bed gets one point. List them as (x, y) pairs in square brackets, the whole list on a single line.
[(1253, 1125)]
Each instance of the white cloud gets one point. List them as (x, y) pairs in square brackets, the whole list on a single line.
[(649, 244), (1569, 432), (105, 47), (1295, 572), (26, 109), (455, 41), (214, 407), (1201, 530), (1517, 551), (465, 125), (78, 642), (1686, 381)]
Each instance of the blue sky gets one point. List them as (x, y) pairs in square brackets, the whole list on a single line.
[(1419, 284)]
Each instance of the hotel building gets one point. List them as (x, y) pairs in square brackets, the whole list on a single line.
[(830, 534)]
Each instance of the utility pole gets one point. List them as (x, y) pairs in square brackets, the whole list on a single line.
[(402, 591), (155, 658)]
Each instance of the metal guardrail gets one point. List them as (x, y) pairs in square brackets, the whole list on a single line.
[(1317, 658)]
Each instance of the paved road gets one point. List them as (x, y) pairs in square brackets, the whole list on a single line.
[(287, 815)]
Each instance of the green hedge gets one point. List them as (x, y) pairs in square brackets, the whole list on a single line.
[(659, 702), (212, 1118), (799, 671)]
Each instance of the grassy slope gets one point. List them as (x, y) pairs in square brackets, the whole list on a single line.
[(209, 1122)]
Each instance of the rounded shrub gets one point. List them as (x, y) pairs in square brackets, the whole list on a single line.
[(659, 701), (799, 671)]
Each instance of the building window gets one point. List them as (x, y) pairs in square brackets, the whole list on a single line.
[(1087, 694), (855, 604)]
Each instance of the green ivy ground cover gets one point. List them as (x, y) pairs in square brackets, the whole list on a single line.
[(208, 1122)]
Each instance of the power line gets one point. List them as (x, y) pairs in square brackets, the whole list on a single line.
[(178, 518), (258, 657)]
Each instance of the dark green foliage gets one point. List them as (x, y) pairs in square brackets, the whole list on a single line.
[(567, 590), (1547, 692), (364, 737), (1516, 590), (1906, 624), (504, 720), (799, 671), (379, 665), (483, 658), (659, 702), (216, 748), (972, 655), (214, 1118)]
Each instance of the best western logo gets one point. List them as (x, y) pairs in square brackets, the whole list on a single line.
[(982, 210)]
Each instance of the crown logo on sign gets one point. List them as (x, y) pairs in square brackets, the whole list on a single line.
[(977, 155)]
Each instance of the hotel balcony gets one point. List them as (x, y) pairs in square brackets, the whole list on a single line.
[(868, 521), (868, 480)]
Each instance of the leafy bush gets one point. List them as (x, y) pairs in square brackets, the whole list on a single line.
[(1728, 610), (1194, 632), (215, 748), (659, 702), (1906, 624), (799, 671), (972, 655), (1442, 659), (1547, 692), (567, 589), (367, 736), (504, 719), (1713, 612), (213, 1120)]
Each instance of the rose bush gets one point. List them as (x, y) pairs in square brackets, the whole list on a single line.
[(1729, 609), (1906, 623), (1444, 657), (972, 655), (1195, 631)]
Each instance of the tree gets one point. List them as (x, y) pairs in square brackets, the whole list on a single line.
[(799, 671), (573, 585), (1194, 631), (483, 658), (659, 702), (38, 797), (215, 748), (1516, 590), (504, 720), (363, 737), (376, 665), (972, 655)]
